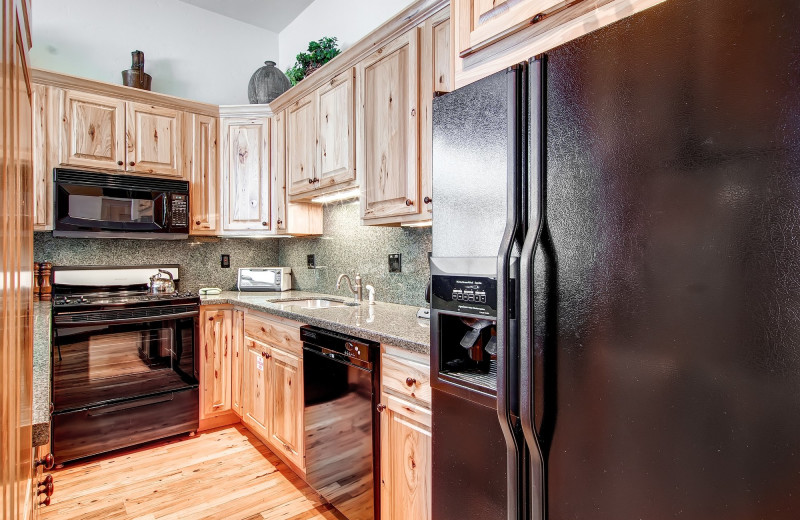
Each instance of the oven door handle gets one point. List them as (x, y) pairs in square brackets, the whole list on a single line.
[(123, 321)]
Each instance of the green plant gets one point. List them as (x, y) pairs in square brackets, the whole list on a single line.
[(319, 53)]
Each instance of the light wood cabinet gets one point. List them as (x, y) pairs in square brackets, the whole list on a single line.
[(436, 77), (46, 102), (481, 22), (153, 140), (256, 387), (93, 131), (336, 131), (215, 361), (237, 360), (301, 146), (200, 149), (246, 195), (388, 129), (405, 442), (287, 406)]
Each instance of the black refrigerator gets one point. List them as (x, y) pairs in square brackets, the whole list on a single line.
[(615, 326)]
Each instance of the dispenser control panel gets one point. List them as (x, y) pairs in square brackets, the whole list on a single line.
[(468, 294)]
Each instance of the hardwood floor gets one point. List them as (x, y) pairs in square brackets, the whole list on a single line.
[(225, 473)]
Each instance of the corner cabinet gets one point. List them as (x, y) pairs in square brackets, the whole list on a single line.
[(246, 194)]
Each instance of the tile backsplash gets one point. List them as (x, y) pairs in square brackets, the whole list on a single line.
[(199, 258), (346, 247)]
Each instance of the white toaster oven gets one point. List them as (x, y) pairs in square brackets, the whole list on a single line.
[(273, 279)]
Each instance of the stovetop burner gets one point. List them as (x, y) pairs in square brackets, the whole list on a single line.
[(125, 298)]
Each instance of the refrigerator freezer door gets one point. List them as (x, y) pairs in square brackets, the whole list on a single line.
[(672, 209)]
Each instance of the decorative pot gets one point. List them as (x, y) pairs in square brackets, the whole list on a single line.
[(267, 83), (136, 76)]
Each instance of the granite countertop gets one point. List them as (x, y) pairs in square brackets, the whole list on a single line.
[(389, 323), (42, 318)]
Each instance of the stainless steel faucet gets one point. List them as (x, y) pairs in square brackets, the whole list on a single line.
[(356, 290)]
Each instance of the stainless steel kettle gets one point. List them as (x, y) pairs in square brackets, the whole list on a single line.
[(160, 284)]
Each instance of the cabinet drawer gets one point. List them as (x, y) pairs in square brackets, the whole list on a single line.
[(274, 334), (406, 377)]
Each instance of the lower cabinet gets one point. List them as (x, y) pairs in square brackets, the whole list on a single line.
[(237, 359), (215, 361), (287, 405), (405, 446), (256, 387)]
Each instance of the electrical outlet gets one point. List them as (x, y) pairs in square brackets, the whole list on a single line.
[(395, 263), (225, 261), (311, 261)]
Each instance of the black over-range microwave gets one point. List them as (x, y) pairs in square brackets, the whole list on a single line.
[(92, 204)]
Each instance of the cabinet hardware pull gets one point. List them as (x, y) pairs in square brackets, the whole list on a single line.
[(381, 407), (47, 480), (132, 163), (410, 381), (47, 491), (120, 163), (264, 223), (311, 181), (45, 502), (427, 200), (409, 202), (48, 461), (413, 112), (196, 222), (280, 222)]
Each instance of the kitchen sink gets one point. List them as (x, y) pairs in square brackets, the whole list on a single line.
[(315, 303)]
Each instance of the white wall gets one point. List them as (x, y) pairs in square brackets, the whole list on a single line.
[(348, 20), (190, 52)]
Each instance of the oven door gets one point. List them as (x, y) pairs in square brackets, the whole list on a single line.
[(114, 360)]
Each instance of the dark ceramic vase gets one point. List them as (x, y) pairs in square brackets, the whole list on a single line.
[(267, 83), (136, 76)]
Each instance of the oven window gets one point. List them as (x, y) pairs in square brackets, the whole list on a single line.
[(111, 209), (99, 364)]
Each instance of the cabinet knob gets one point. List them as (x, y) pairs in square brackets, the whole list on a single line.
[(266, 355), (311, 181), (45, 502), (264, 223), (48, 461), (47, 480), (280, 222), (47, 491), (120, 163), (381, 407), (409, 202), (132, 163), (413, 112), (196, 222), (410, 381), (427, 200)]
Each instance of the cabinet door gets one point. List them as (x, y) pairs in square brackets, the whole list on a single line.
[(46, 102), (388, 131), (436, 76), (336, 116), (92, 131), (215, 372), (153, 136), (405, 461), (481, 22), (201, 163), (237, 359), (256, 387), (287, 405), (301, 145), (246, 182)]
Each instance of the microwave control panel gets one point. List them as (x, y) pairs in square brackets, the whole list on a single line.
[(180, 210), (467, 294)]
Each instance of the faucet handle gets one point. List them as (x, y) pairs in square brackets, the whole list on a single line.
[(371, 291)]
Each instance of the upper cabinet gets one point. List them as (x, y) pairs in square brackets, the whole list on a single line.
[(336, 131), (246, 203), (388, 129), (483, 21), (93, 131), (153, 139), (320, 139), (200, 152)]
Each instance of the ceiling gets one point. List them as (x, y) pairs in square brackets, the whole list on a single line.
[(273, 15)]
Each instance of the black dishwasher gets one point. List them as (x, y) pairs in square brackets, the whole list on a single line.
[(342, 441)]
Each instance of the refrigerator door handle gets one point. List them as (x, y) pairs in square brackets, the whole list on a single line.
[(505, 291), (526, 321)]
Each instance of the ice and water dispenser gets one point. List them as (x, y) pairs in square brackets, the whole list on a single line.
[(464, 325)]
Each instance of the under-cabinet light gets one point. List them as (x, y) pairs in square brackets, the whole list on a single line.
[(426, 223), (339, 195)]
